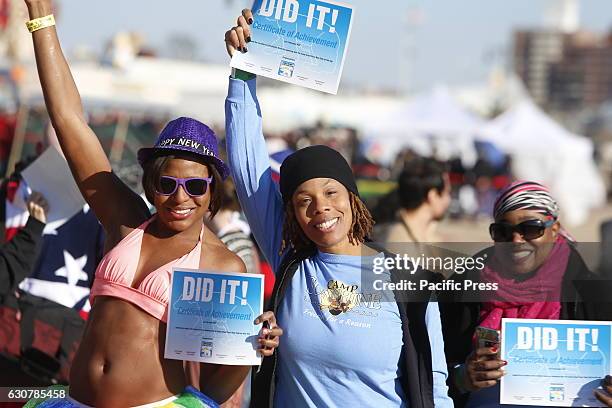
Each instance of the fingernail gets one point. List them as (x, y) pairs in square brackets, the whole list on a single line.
[(250, 21), (248, 39), (256, 321), (505, 362), (494, 349), (245, 49)]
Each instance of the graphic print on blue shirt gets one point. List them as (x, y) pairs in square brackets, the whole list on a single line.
[(339, 297)]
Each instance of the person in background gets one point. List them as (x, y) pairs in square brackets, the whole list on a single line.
[(18, 255), (424, 197)]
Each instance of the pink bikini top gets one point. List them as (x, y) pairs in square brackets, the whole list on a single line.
[(115, 275)]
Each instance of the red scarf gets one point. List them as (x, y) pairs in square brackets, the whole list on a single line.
[(512, 296)]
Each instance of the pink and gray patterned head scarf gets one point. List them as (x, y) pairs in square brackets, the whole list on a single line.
[(525, 195)]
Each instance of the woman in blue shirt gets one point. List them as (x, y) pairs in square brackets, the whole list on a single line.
[(343, 345)]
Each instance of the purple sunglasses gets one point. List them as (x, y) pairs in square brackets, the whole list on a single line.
[(193, 186)]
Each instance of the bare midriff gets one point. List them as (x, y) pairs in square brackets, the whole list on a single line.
[(120, 361)]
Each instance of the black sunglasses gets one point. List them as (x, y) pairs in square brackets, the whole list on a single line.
[(530, 229), (194, 186)]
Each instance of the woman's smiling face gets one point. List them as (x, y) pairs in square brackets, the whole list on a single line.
[(520, 255), (322, 208), (180, 211)]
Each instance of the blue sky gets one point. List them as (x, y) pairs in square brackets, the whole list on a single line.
[(457, 41)]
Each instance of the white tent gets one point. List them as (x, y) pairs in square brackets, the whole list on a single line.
[(430, 123), (544, 151)]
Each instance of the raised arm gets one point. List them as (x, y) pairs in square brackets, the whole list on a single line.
[(88, 162), (248, 157)]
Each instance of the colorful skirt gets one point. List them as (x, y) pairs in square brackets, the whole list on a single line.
[(189, 398)]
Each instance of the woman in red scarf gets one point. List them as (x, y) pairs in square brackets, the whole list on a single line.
[(539, 275)]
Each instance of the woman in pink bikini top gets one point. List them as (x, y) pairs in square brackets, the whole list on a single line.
[(120, 359)]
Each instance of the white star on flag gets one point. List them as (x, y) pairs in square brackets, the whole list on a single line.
[(51, 227), (73, 269)]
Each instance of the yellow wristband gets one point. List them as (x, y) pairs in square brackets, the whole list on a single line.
[(41, 22)]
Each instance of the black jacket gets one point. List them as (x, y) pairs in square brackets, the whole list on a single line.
[(583, 294), (19, 255)]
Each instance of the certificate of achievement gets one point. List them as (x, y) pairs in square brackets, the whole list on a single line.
[(301, 42), (210, 317), (554, 362)]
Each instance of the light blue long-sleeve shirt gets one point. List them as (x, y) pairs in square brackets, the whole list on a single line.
[(326, 357)]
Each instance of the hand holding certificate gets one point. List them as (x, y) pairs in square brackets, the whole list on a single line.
[(216, 318), (605, 395), (482, 369), (301, 42)]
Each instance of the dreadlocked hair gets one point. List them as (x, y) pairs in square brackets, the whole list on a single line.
[(294, 237), (363, 222)]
